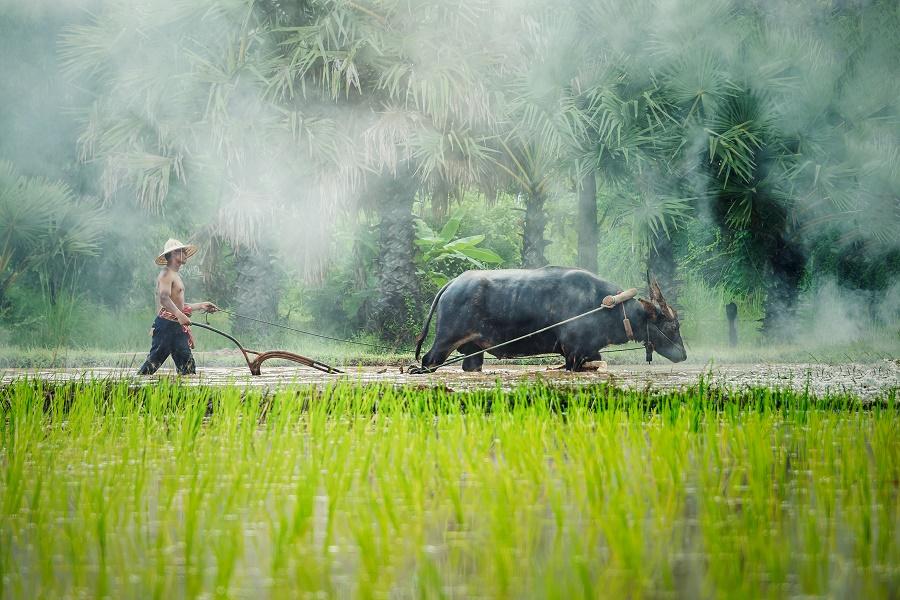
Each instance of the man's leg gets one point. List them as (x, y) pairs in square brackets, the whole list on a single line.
[(181, 354), (159, 351)]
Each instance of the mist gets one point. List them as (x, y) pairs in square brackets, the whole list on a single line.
[(743, 151)]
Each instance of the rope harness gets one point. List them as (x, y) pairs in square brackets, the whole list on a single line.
[(648, 345)]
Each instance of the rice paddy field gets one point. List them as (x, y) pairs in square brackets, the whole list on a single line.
[(165, 489)]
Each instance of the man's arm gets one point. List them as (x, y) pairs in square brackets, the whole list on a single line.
[(164, 290), (205, 306)]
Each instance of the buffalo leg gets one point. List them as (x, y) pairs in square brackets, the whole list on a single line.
[(473, 363), (436, 356), (594, 356), (574, 362)]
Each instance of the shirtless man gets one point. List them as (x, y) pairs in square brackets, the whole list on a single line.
[(171, 329)]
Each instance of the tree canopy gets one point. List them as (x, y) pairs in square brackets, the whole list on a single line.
[(754, 146)]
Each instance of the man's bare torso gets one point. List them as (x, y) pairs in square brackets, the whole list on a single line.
[(170, 280)]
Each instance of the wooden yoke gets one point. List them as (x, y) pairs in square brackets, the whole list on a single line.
[(619, 298), (611, 301)]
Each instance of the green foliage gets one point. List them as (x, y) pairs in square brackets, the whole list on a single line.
[(857, 266), (714, 259), (743, 133), (498, 221), (652, 215), (339, 304), (437, 250), (705, 325), (46, 235)]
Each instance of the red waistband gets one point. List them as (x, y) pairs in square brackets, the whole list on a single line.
[(169, 316)]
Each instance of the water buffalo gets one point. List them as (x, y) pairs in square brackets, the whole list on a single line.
[(480, 309)]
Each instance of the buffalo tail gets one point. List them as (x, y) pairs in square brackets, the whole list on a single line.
[(421, 337)]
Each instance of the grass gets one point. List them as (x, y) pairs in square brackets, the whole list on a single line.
[(109, 489), (212, 353)]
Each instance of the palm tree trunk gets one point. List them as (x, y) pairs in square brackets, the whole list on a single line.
[(533, 242), (787, 262), (587, 223), (440, 203), (395, 312)]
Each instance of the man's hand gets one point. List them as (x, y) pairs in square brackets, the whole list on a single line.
[(183, 319), (209, 307)]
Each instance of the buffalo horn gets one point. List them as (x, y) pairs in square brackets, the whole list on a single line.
[(656, 293)]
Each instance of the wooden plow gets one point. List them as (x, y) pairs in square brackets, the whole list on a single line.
[(261, 357)]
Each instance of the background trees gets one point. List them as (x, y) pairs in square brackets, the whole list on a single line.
[(747, 145), (47, 235)]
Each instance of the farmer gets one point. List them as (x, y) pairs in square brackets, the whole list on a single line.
[(171, 330)]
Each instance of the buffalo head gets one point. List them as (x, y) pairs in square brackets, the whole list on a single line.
[(663, 327)]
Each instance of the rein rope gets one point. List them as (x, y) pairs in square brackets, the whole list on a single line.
[(319, 335)]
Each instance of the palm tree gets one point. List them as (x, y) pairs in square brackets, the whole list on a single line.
[(542, 123), (45, 230), (289, 117), (776, 128), (591, 110), (424, 113), (692, 135), (627, 119), (846, 177), (188, 115)]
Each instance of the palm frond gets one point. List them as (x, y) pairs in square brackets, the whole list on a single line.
[(650, 215), (699, 83)]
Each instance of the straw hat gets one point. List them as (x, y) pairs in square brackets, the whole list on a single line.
[(171, 246)]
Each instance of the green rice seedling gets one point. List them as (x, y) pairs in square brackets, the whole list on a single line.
[(113, 489)]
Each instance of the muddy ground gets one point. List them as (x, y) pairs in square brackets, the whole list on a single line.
[(869, 381)]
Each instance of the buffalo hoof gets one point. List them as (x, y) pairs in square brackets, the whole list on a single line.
[(472, 365), (594, 365)]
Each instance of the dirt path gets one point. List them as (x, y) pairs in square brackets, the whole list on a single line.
[(866, 380)]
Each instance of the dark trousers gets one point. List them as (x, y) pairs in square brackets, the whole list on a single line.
[(169, 338)]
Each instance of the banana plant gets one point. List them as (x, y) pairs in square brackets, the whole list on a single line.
[(443, 249)]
